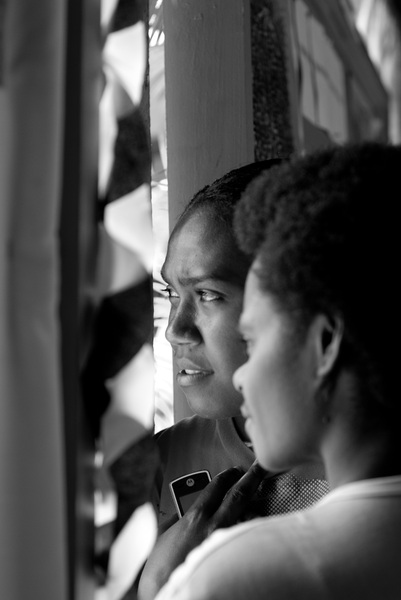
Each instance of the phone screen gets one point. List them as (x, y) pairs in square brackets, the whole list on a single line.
[(185, 489)]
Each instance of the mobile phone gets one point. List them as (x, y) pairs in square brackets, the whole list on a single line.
[(185, 489)]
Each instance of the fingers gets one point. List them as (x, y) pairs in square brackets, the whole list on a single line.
[(252, 478), (238, 497), (226, 498), (212, 496), (167, 524)]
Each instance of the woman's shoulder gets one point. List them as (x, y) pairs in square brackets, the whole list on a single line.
[(296, 555), (254, 559)]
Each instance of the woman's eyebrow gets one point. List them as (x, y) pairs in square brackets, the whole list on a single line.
[(189, 280), (192, 280), (218, 275)]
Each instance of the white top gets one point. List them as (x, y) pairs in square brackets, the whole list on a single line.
[(346, 547)]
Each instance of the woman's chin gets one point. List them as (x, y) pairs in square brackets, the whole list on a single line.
[(211, 408)]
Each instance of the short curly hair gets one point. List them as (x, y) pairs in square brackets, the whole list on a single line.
[(324, 229)]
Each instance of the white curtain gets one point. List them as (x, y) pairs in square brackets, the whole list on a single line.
[(33, 546)]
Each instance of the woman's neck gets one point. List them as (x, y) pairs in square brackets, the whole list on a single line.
[(352, 455)]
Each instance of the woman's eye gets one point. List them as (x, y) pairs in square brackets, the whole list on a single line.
[(171, 293), (209, 296)]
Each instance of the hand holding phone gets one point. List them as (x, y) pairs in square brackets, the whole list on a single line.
[(185, 489), (227, 496)]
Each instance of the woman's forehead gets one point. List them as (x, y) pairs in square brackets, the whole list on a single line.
[(203, 246), (201, 224), (203, 216)]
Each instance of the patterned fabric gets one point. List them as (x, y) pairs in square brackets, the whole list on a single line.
[(117, 380), (287, 493)]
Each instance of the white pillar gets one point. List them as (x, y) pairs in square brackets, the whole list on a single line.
[(209, 117)]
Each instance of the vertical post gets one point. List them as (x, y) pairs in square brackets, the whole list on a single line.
[(78, 254), (209, 119)]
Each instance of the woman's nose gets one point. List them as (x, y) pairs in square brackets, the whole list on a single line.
[(182, 327)]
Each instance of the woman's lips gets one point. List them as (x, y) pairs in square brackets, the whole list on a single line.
[(188, 377), (244, 412)]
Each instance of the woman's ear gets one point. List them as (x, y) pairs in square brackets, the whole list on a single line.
[(328, 337)]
